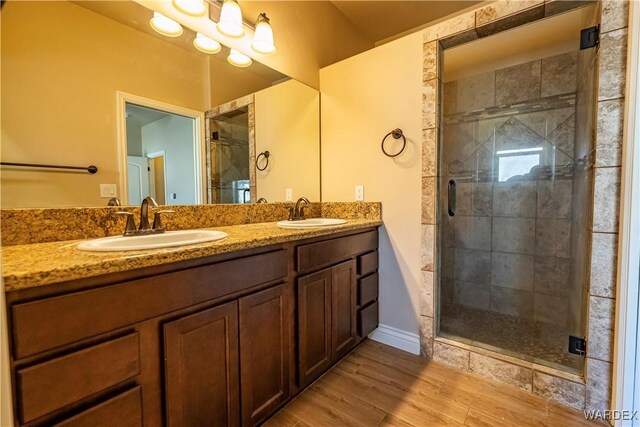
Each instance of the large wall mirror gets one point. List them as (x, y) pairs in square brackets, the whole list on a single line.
[(91, 83)]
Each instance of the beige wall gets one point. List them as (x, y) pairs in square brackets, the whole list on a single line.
[(59, 107), (287, 125), (229, 82), (363, 98)]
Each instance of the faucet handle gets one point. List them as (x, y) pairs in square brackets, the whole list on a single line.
[(157, 219), (130, 228)]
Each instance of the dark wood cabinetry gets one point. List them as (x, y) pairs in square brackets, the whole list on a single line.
[(264, 353), (201, 368), (224, 340)]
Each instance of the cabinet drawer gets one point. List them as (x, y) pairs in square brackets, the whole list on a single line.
[(124, 410), (368, 319), (367, 289), (51, 385), (85, 314), (367, 263), (315, 256)]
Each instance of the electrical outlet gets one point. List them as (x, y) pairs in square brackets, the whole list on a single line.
[(359, 193), (288, 195), (108, 190)]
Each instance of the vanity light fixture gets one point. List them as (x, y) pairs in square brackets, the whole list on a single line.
[(165, 26), (205, 44), (230, 23), (191, 7), (263, 36), (238, 59)]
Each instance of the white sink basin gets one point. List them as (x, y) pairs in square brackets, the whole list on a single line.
[(311, 223), (151, 241)]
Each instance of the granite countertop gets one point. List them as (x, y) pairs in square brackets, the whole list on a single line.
[(39, 264)]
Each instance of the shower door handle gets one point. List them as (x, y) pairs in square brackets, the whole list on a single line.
[(452, 197)]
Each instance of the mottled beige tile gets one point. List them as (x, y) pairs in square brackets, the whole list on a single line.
[(551, 309), (500, 371), (512, 271), (429, 200), (472, 232), (514, 302), (613, 64), (598, 385), (428, 246), (429, 104), (565, 392), (554, 199), (601, 321), (471, 265), (514, 235), (558, 75), (609, 133), (604, 256), (606, 200), (429, 152), (430, 57), (476, 92), (426, 337), (514, 199), (553, 237), (426, 293), (518, 83), (501, 9), (451, 355), (458, 24), (615, 15)]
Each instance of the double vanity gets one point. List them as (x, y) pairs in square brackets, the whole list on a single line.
[(223, 332)]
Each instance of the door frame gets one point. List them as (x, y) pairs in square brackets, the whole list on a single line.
[(626, 361), (162, 154), (122, 98)]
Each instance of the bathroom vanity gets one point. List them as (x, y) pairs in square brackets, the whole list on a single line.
[(217, 340)]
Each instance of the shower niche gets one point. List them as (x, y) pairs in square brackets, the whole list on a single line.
[(515, 186)]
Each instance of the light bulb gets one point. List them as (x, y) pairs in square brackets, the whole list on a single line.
[(205, 44), (191, 7), (238, 59), (165, 26), (230, 23), (263, 36)]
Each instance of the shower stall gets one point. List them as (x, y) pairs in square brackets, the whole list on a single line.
[(515, 190)]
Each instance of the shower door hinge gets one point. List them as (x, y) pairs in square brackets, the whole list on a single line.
[(577, 345), (589, 37)]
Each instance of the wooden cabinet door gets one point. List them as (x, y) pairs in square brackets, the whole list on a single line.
[(201, 368), (314, 325), (343, 308), (264, 353)]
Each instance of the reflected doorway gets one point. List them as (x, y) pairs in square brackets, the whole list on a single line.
[(163, 152)]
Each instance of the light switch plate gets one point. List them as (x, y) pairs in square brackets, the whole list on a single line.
[(288, 195), (108, 190), (359, 193)]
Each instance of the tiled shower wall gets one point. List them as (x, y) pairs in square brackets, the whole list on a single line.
[(593, 390), (508, 250)]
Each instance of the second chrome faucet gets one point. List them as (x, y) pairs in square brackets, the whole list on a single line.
[(144, 228)]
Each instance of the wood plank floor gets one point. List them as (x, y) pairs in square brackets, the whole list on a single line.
[(377, 385)]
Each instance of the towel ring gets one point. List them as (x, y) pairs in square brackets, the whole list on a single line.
[(266, 155), (396, 134)]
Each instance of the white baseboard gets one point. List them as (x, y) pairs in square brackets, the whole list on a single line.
[(397, 338)]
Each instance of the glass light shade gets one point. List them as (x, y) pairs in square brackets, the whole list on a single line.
[(165, 26), (230, 23), (263, 36), (205, 44), (191, 7), (238, 59)]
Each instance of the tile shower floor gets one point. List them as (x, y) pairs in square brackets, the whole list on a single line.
[(538, 342)]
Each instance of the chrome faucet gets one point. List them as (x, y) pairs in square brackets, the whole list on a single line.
[(297, 213), (262, 200), (144, 228), (114, 201)]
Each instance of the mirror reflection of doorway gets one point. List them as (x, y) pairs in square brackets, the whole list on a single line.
[(161, 156)]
